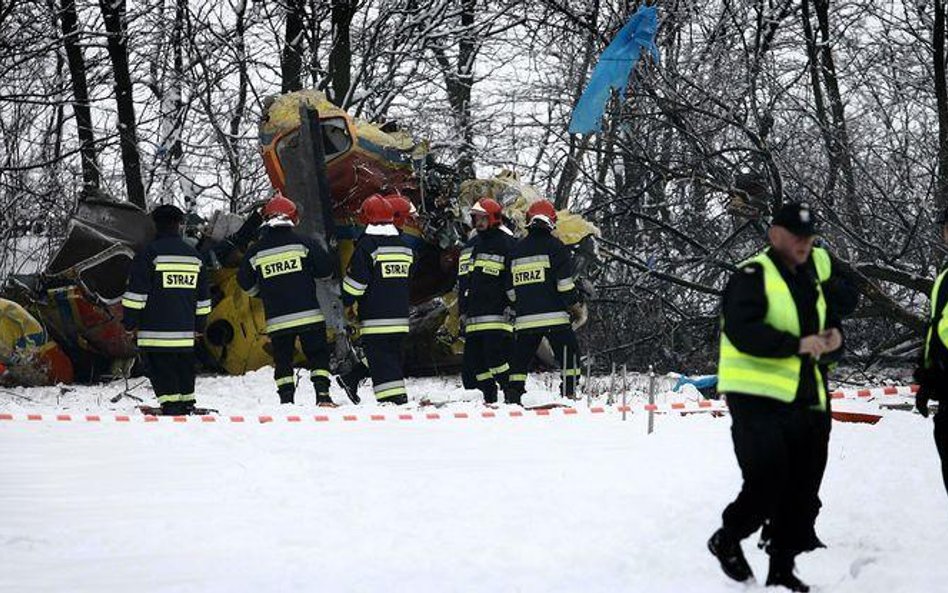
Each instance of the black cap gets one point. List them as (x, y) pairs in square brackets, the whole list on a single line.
[(167, 216), (797, 218)]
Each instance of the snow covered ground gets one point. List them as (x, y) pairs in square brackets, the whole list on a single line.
[(564, 502)]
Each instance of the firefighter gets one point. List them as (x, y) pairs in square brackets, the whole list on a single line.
[(281, 268), (482, 301), (780, 328), (539, 281), (165, 306), (932, 372), (403, 211), (375, 297)]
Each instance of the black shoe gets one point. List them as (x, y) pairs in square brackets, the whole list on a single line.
[(513, 395), (731, 556), (324, 401), (490, 397), (350, 386), (398, 400), (781, 575), (175, 409), (286, 398)]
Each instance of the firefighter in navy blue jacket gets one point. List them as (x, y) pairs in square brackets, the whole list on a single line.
[(539, 280), (166, 304), (482, 300), (403, 212), (281, 268), (375, 296)]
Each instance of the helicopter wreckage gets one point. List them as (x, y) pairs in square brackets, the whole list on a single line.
[(63, 325)]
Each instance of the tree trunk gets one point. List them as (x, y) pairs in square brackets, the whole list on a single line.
[(841, 150), (237, 118), (177, 43), (80, 98), (291, 60), (340, 57), (812, 51), (467, 50), (564, 184), (941, 97), (113, 15), (458, 79)]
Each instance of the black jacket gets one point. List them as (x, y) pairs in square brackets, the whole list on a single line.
[(377, 279), (745, 306), (538, 276), (482, 296), (281, 268), (167, 299)]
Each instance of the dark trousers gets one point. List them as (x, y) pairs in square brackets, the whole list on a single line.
[(384, 355), (810, 490), (781, 450), (565, 347), (823, 424), (941, 438), (172, 377), (312, 339), (486, 362)]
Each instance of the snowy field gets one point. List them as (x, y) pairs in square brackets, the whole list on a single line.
[(561, 502)]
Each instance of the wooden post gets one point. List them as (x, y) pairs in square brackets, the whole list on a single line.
[(586, 383), (563, 377), (612, 386), (651, 399)]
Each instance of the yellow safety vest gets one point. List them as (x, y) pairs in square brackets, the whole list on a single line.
[(941, 325), (777, 378)]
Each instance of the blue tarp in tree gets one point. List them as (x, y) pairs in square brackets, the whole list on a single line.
[(612, 71)]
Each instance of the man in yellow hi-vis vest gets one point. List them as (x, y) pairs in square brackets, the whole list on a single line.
[(932, 373), (780, 328)]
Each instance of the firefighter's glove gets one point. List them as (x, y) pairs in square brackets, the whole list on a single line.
[(578, 314), (351, 313), (510, 315)]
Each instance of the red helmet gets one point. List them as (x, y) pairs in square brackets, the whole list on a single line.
[(402, 209), (376, 210), (280, 205), (489, 208), (542, 210)]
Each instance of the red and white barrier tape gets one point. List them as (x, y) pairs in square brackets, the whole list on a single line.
[(890, 390), (712, 406), (289, 419), (700, 406)]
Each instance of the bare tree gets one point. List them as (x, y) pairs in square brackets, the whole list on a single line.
[(116, 27), (80, 96), (291, 62), (340, 56), (941, 95)]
